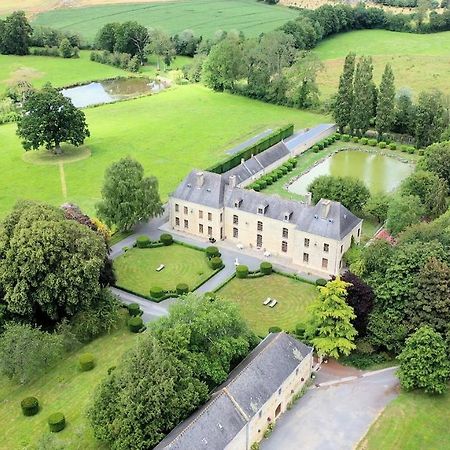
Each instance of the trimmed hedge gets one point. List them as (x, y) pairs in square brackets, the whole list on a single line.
[(265, 268), (156, 292), (166, 239), (315, 149), (372, 142), (86, 362), (345, 137), (393, 146), (135, 324), (355, 139), (241, 271), (182, 288), (56, 422), (215, 262), (321, 282), (143, 242), (382, 144), (275, 330), (211, 251), (134, 309), (263, 183), (363, 141), (30, 406)]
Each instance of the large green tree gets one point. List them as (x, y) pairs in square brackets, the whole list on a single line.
[(344, 100), (437, 159), (385, 103), (49, 119), (128, 196), (131, 38), (330, 328), (429, 118), (405, 114), (378, 205), (424, 363), (160, 45), (403, 211), (15, 34), (49, 266)]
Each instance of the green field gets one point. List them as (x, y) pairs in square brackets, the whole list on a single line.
[(412, 421), (64, 389), (419, 61), (293, 299), (170, 133), (204, 17), (136, 269)]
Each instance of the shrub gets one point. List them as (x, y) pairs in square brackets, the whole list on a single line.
[(268, 180), (135, 324), (30, 406), (166, 239), (182, 288), (411, 150), (289, 165), (320, 145), (279, 173), (355, 139), (321, 282), (421, 152), (216, 263), (134, 309), (265, 268), (404, 148), (273, 177), (315, 149), (111, 369), (382, 144), (56, 422), (345, 138), (284, 170), (241, 271), (392, 146), (211, 296), (293, 161), (263, 184), (212, 251), (143, 242), (363, 141), (337, 136), (156, 292), (372, 142), (275, 329), (256, 187), (86, 362)]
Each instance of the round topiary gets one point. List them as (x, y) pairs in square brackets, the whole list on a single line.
[(57, 422), (212, 251), (265, 267), (262, 184), (134, 309), (315, 149), (182, 288), (142, 242), (273, 178), (320, 145), (337, 136), (275, 329), (363, 141), (268, 180), (30, 406), (345, 137), (355, 138), (393, 146), (135, 324), (216, 263), (382, 144), (321, 282), (372, 142), (279, 173), (156, 292), (166, 239), (284, 169), (241, 271), (86, 362), (256, 187)]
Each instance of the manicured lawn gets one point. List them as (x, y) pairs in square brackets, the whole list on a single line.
[(204, 17), (419, 61), (39, 70), (64, 389), (293, 299), (169, 133), (410, 422), (136, 269)]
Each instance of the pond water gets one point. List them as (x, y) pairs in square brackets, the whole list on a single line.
[(380, 173), (109, 91)]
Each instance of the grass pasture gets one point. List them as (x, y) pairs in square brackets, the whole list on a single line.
[(419, 61), (204, 17), (136, 269), (248, 294), (64, 389), (412, 421)]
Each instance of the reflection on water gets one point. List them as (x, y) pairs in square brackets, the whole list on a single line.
[(379, 173), (109, 91)]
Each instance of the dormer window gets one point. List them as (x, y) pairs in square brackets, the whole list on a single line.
[(287, 216), (238, 203), (262, 209)]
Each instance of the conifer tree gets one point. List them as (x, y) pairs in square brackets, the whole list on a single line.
[(385, 105), (344, 100)]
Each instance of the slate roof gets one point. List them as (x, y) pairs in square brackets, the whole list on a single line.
[(304, 137), (248, 387)]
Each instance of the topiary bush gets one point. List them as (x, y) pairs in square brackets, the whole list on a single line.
[(166, 239), (143, 242), (337, 136), (266, 268), (256, 187), (284, 170), (182, 288), (345, 137), (275, 329), (372, 142), (156, 292), (56, 422), (216, 263), (211, 251), (135, 324), (273, 177), (411, 150), (363, 141), (30, 406), (86, 362), (393, 146), (404, 148), (262, 184), (279, 173), (134, 309), (320, 145), (289, 165), (241, 271), (293, 161), (315, 149), (355, 139), (382, 144), (268, 180), (321, 282)]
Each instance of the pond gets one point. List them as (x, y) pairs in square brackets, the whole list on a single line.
[(379, 173), (109, 91)]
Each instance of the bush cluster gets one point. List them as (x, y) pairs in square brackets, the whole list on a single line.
[(135, 324), (134, 310), (241, 271), (123, 60), (86, 362), (57, 422), (212, 252), (273, 176), (156, 292), (275, 329), (30, 406), (166, 239), (182, 288), (215, 262)]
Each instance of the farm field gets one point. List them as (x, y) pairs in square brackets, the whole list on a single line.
[(248, 294), (412, 421), (65, 389), (204, 17), (165, 132), (419, 61), (136, 269)]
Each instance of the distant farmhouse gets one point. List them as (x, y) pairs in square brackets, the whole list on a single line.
[(257, 391), (313, 238)]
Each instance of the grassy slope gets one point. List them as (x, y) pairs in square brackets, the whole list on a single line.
[(293, 297), (419, 61), (39, 70), (169, 133), (410, 422), (136, 269), (204, 17), (63, 389)]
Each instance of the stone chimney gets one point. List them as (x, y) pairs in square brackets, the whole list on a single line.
[(232, 181), (325, 208), (200, 179), (308, 198)]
